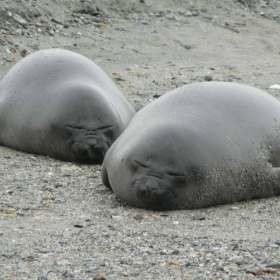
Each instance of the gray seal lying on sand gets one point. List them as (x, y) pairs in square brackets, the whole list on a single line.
[(59, 103), (199, 145)]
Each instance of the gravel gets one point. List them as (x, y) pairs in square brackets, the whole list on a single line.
[(57, 220)]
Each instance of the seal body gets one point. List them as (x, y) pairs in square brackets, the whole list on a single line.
[(59, 103), (200, 145)]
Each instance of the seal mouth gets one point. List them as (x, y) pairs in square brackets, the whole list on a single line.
[(89, 145), (154, 195), (90, 150)]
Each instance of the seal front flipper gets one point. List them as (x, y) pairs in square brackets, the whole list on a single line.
[(273, 170), (104, 177)]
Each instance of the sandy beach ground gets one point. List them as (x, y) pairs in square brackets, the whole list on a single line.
[(57, 220)]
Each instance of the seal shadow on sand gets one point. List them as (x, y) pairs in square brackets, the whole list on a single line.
[(199, 145), (59, 103)]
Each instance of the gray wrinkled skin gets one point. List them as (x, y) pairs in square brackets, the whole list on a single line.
[(59, 103), (200, 145)]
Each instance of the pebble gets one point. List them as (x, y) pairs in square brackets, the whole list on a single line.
[(138, 217), (275, 265), (198, 217), (19, 19), (208, 77), (170, 16)]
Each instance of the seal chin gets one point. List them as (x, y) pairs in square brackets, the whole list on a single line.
[(89, 151), (154, 194)]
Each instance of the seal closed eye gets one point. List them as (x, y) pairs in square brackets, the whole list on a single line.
[(216, 143), (61, 104)]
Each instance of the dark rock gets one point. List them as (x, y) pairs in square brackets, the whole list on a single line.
[(208, 77), (198, 217), (99, 276), (78, 226), (138, 217), (175, 252), (248, 3), (89, 9), (187, 47), (156, 95), (275, 265)]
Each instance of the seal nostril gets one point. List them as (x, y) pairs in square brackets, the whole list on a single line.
[(143, 189), (91, 143), (148, 189)]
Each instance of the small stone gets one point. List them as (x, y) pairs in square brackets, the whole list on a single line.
[(187, 47), (198, 217), (156, 95), (49, 188), (208, 77), (170, 16), (175, 252), (19, 19), (275, 265), (144, 22), (99, 276), (114, 217), (44, 251), (275, 86), (91, 269), (78, 226), (138, 217), (23, 53), (67, 274)]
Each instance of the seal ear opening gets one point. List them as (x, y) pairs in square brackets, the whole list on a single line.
[(105, 178)]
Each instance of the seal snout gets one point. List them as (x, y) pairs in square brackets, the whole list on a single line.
[(90, 150), (154, 192), (149, 188), (96, 149)]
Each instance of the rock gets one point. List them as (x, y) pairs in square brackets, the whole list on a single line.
[(208, 77), (275, 265), (175, 252), (99, 276), (198, 217), (19, 20), (138, 217)]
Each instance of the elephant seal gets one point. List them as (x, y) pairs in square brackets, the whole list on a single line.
[(197, 146), (59, 103)]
